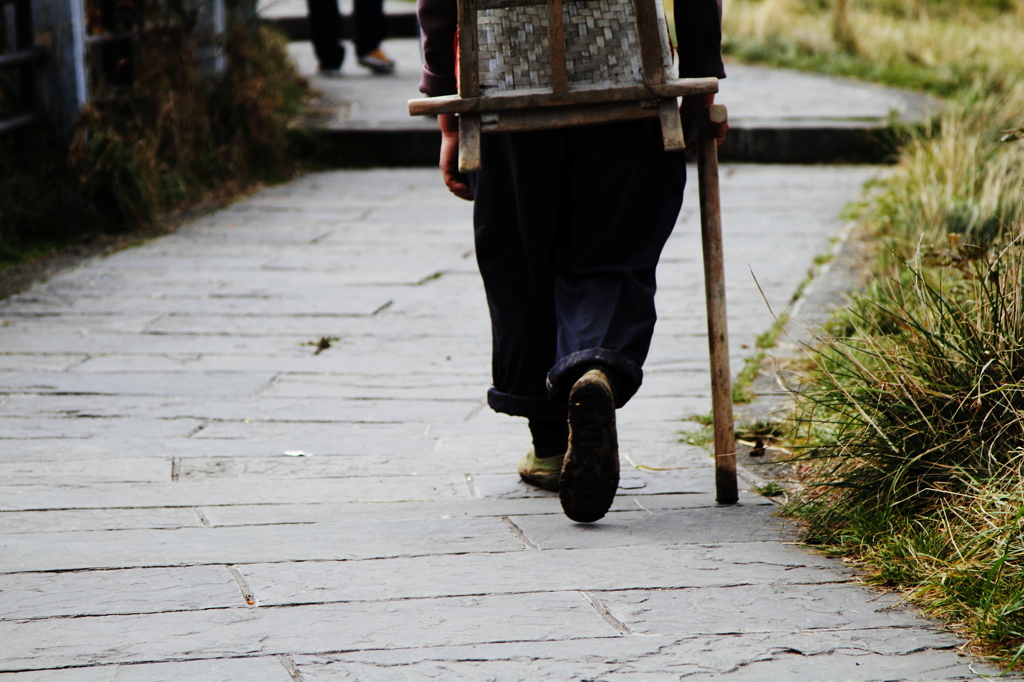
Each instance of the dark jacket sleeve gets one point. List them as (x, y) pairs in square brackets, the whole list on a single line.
[(699, 36), (438, 21)]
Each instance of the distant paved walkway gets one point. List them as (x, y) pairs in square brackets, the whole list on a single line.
[(191, 492)]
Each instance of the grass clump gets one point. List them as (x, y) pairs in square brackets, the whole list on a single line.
[(912, 420), (915, 431)]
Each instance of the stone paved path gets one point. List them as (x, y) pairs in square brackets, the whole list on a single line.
[(158, 520)]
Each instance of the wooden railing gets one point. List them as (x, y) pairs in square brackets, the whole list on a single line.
[(21, 59)]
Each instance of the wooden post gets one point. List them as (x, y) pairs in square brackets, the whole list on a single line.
[(714, 283), (671, 125), (63, 90), (469, 143)]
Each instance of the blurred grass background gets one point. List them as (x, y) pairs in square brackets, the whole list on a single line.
[(162, 142)]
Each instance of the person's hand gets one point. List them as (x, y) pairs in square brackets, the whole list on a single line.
[(692, 107), (456, 182)]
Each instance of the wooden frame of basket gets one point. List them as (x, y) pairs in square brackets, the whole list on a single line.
[(536, 64)]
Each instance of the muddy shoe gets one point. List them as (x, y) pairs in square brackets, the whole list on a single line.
[(542, 472), (590, 474)]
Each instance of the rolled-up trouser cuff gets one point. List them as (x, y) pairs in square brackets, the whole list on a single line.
[(520, 406), (626, 379)]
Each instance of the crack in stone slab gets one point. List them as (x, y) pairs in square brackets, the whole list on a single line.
[(605, 613), (243, 585), (202, 517), (197, 429), (519, 532), (289, 665)]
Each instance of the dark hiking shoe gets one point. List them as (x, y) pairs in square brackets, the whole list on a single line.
[(590, 475), (542, 472)]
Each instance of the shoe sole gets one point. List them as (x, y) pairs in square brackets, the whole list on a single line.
[(547, 480), (590, 474), (379, 69)]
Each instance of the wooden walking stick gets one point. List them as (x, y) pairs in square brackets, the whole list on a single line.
[(726, 491)]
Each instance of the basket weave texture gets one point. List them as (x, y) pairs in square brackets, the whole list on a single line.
[(601, 45)]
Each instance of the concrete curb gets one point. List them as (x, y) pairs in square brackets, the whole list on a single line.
[(396, 25), (798, 126)]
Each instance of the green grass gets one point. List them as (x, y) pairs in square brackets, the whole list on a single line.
[(780, 52), (770, 489), (701, 437)]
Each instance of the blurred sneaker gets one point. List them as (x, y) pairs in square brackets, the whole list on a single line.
[(541, 472), (378, 62)]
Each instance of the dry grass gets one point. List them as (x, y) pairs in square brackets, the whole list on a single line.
[(939, 46)]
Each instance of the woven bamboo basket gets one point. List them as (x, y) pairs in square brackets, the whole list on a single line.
[(538, 64)]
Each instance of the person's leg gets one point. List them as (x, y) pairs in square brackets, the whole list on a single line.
[(626, 192), (325, 33), (515, 257), (515, 221), (369, 34), (369, 25)]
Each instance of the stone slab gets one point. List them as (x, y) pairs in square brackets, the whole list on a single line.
[(632, 482), (92, 593), (289, 467), (232, 439), (120, 470), (208, 384), (97, 519), (267, 669), (369, 512), (150, 344), (26, 362), (250, 544), (737, 523), (299, 630), (913, 654), (84, 426), (757, 608), (650, 568), (217, 492), (359, 300), (244, 409)]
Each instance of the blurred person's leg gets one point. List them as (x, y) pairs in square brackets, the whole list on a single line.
[(325, 33), (369, 34)]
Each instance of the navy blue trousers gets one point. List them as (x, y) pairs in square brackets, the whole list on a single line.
[(569, 227)]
